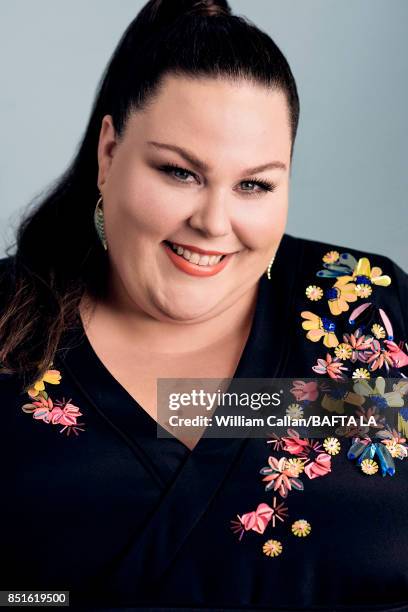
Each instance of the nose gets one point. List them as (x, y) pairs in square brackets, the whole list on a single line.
[(211, 217)]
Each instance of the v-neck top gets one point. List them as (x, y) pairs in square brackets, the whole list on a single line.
[(109, 397), (122, 518)]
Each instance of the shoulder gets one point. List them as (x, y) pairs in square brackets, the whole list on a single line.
[(378, 277), (370, 267), (313, 251), (343, 293)]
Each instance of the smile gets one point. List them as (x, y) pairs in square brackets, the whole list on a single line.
[(196, 262)]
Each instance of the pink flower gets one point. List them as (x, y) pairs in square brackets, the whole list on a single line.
[(304, 391), (65, 416), (294, 444), (43, 410), (258, 519), (319, 467), (377, 356), (359, 343), (42, 414), (281, 477), (330, 366), (396, 354)]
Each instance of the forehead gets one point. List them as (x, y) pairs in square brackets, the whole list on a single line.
[(215, 115)]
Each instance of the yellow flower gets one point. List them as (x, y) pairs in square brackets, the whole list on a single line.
[(51, 376), (272, 548), (378, 331), (319, 328), (369, 466), (343, 351), (314, 293), (294, 411), (364, 274), (295, 464), (331, 446), (361, 373), (301, 528), (363, 291), (331, 257), (342, 292)]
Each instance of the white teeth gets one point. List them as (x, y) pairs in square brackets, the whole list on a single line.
[(204, 260), (196, 258)]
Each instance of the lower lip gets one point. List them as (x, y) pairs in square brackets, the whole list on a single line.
[(195, 269)]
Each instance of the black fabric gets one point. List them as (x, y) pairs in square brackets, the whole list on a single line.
[(122, 518)]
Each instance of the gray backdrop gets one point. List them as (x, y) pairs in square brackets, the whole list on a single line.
[(350, 61)]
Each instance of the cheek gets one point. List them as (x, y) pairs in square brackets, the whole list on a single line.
[(141, 205), (264, 223)]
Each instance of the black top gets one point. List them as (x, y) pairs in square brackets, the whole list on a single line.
[(99, 506)]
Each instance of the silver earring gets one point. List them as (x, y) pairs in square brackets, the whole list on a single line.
[(268, 271), (99, 222)]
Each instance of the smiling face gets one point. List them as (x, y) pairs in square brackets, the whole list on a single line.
[(215, 133)]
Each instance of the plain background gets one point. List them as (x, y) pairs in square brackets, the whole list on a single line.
[(350, 61)]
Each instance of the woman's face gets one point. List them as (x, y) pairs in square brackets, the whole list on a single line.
[(216, 132)]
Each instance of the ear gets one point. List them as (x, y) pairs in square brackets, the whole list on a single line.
[(106, 149)]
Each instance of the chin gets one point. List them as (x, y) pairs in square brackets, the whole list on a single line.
[(178, 310)]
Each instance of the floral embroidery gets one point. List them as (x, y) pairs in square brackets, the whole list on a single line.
[(51, 376), (272, 548), (378, 331), (361, 373), (314, 293), (331, 367), (297, 464), (369, 466), (331, 257), (342, 292), (259, 518), (301, 528), (60, 412), (331, 446), (320, 328), (343, 351), (295, 411), (360, 345), (281, 476)]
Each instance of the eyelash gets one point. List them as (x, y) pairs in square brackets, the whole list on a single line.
[(264, 184)]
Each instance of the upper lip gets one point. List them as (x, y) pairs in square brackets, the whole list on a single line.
[(191, 247)]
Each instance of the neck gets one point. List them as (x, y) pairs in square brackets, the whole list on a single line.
[(152, 336)]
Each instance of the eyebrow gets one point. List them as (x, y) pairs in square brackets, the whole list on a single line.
[(204, 167)]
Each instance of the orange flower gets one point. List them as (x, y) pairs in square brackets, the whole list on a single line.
[(319, 328), (342, 292)]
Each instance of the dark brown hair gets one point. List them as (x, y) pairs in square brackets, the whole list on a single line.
[(57, 253)]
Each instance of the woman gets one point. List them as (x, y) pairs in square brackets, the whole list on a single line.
[(172, 262)]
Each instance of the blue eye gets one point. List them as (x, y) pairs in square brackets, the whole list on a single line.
[(264, 185), (173, 168)]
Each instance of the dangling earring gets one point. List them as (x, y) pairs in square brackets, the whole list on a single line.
[(99, 222), (268, 271)]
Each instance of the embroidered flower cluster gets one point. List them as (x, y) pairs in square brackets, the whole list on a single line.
[(60, 412), (367, 343), (368, 340), (304, 457), (371, 342)]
